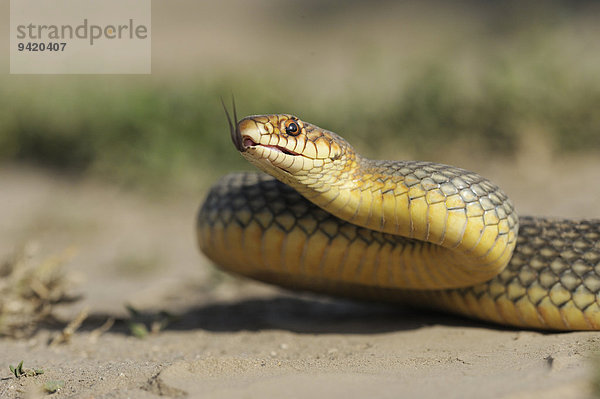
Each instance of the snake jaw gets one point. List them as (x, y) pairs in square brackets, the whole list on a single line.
[(248, 142), (288, 148)]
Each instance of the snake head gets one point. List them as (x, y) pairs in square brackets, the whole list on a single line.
[(287, 147)]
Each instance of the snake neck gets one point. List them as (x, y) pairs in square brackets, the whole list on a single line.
[(460, 211), (354, 190)]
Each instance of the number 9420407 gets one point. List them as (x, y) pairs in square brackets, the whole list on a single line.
[(34, 46)]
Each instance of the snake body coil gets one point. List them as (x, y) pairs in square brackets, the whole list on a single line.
[(333, 222)]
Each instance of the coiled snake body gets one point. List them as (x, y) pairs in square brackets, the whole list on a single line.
[(327, 220)]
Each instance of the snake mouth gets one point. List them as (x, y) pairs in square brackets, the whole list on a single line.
[(247, 142)]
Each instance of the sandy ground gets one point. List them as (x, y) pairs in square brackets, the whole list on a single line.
[(240, 339)]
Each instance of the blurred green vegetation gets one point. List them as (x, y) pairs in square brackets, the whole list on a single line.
[(150, 131)]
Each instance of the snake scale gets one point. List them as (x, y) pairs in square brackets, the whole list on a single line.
[(327, 220)]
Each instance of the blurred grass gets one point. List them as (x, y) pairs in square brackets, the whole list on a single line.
[(150, 131), (144, 133)]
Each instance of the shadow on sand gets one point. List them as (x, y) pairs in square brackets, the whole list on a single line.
[(304, 314)]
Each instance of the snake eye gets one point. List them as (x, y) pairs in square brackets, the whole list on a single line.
[(292, 128)]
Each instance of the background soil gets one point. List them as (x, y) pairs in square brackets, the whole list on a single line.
[(235, 338)]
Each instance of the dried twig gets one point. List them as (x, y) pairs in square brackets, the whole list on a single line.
[(95, 334), (29, 290), (65, 335)]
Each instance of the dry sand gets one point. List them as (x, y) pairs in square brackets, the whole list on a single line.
[(240, 339)]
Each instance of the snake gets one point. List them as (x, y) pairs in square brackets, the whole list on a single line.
[(322, 218)]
